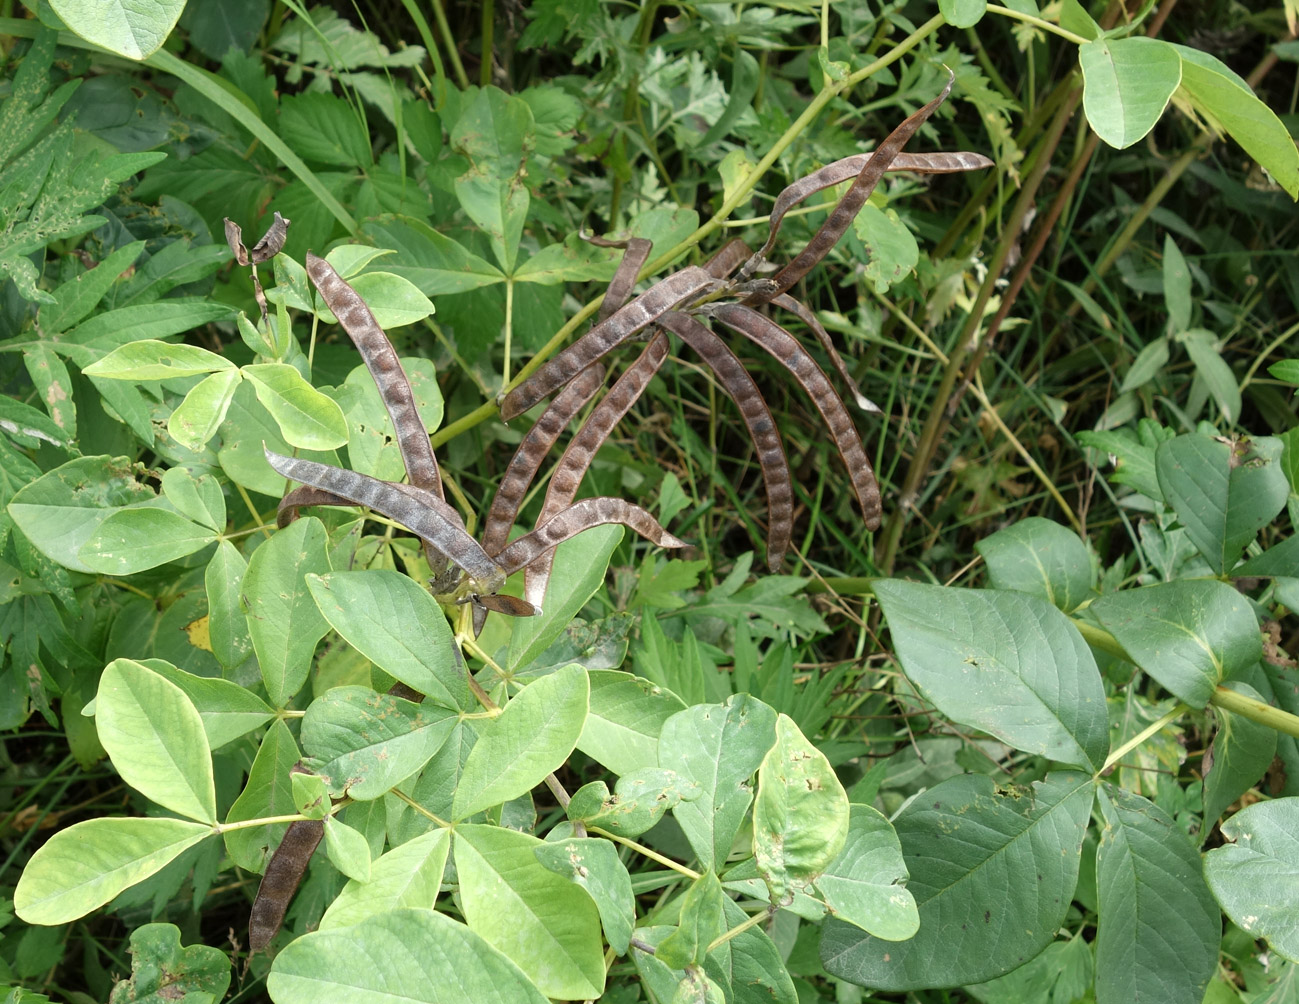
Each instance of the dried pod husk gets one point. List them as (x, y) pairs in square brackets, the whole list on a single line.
[(805, 315), (272, 242), (845, 210), (532, 452), (381, 360), (735, 380), (284, 871), (581, 450), (417, 509), (510, 606), (625, 322), (636, 251), (730, 257), (235, 238), (786, 350), (580, 516)]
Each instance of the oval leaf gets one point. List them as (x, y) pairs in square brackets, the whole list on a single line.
[(1039, 557), (1127, 84), (409, 875), (1256, 877), (196, 418), (133, 540), (393, 300), (863, 885), (133, 30), (306, 417), (594, 865), (531, 737), (155, 738), (150, 359)]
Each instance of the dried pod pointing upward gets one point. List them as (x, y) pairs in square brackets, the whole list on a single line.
[(582, 516)]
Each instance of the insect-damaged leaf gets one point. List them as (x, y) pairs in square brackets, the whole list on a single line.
[(595, 866)]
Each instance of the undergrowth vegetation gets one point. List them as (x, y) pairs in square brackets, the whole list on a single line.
[(939, 357)]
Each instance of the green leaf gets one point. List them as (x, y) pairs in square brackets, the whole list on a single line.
[(348, 850), (372, 442), (226, 709), (580, 565), (1006, 663), (306, 417), (227, 626), (1286, 371), (1241, 752), (626, 716), (1229, 104), (195, 419), (391, 620), (61, 510), (432, 261), (407, 876), (532, 736), (325, 129), (1256, 876), (1127, 84), (1278, 560), (702, 919), (149, 359), (1039, 557), (1158, 933), (1177, 287), (310, 794), (369, 743), (892, 252), (283, 620), (638, 802), (74, 299), (133, 540), (132, 30), (83, 867), (269, 792), (546, 925), (569, 260), (1205, 351), (1189, 634), (429, 959), (1150, 362), (963, 13), (800, 815), (697, 987), (992, 871), (594, 865), (394, 301), (718, 747), (162, 972), (155, 738), (495, 134), (200, 498), (864, 884)]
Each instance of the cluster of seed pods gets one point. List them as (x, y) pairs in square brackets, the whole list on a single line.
[(722, 289)]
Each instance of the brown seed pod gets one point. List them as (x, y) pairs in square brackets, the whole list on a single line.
[(381, 360), (735, 380), (280, 881), (580, 516), (810, 319), (621, 325), (785, 349), (731, 256), (573, 465), (636, 251)]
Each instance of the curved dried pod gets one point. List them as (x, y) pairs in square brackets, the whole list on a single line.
[(636, 251), (731, 256), (841, 216), (416, 509), (381, 360), (583, 515), (573, 465), (510, 606), (786, 350), (617, 328), (304, 497), (735, 380), (530, 455), (787, 302), (284, 871)]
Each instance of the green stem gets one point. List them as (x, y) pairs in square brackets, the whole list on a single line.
[(489, 24), (651, 854), (753, 921), (1037, 22), (449, 43), (430, 44), (1178, 710), (248, 824), (1255, 711)]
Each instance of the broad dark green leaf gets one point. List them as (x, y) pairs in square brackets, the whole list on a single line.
[(1222, 495), (546, 925), (595, 866), (1039, 557), (394, 622), (81, 868), (431, 260), (409, 875), (800, 814), (325, 129), (1127, 84), (992, 872), (133, 540), (155, 738), (718, 747), (1009, 664), (1205, 350), (532, 736), (269, 792), (163, 972), (1256, 876), (627, 714), (283, 620), (1241, 752), (864, 884), (1158, 932), (419, 957), (1189, 634), (1278, 560), (366, 743)]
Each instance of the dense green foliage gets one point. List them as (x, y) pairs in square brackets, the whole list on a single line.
[(1036, 738)]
